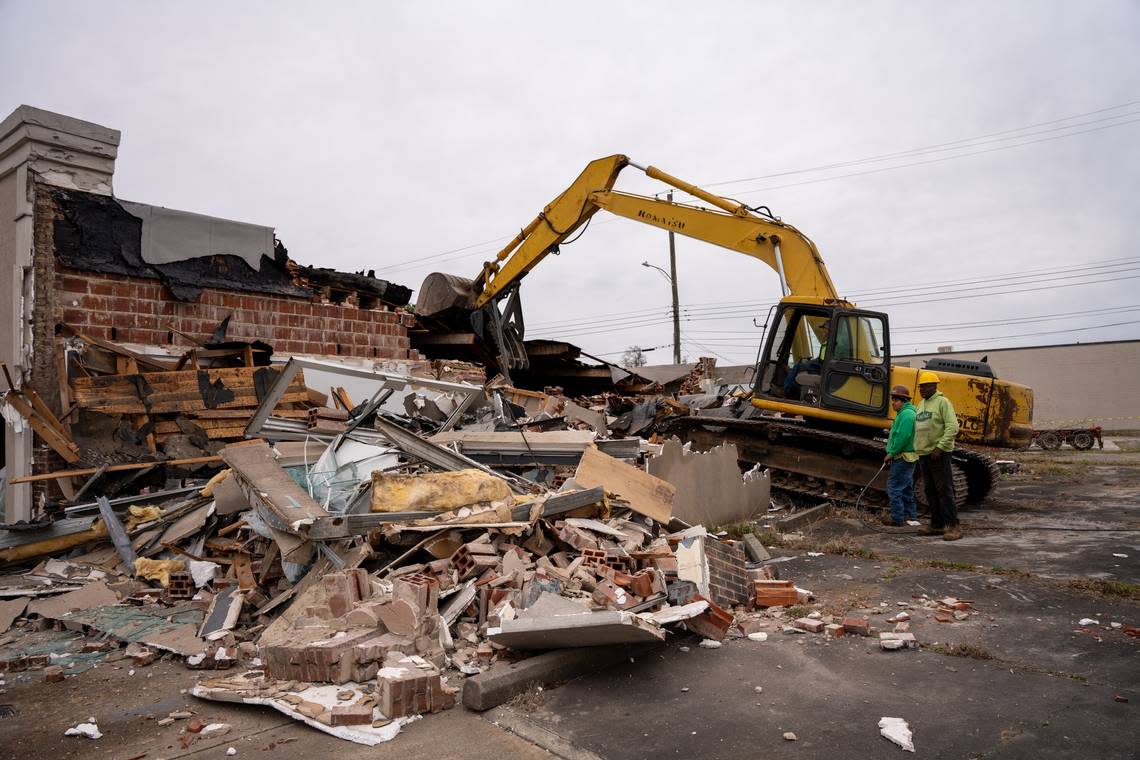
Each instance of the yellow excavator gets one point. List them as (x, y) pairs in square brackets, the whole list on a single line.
[(820, 400)]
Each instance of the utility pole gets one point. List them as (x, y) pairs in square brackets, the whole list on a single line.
[(676, 302)]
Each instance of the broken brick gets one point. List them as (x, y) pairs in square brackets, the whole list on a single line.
[(351, 715), (713, 623), (809, 624), (773, 593), (859, 626), (409, 686)]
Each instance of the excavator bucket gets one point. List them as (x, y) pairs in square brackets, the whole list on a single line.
[(445, 294)]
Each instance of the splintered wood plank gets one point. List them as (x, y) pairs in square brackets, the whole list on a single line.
[(186, 377), (44, 429), (143, 361), (646, 494), (64, 391), (113, 468), (243, 414), (266, 484), (243, 571)]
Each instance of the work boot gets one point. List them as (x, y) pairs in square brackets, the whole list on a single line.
[(953, 533), (927, 530), (888, 520)]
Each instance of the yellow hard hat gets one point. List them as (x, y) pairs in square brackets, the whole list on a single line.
[(926, 376)]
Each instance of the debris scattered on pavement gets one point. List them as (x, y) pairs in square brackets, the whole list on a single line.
[(349, 564), (897, 730), (89, 729)]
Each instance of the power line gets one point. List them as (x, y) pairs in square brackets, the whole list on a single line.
[(754, 190), (746, 346), (698, 306), (942, 299), (740, 313), (961, 143), (965, 325), (926, 291), (701, 345), (729, 343), (1024, 273), (403, 265), (1045, 332)]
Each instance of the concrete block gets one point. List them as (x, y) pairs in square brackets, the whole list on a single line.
[(810, 625), (891, 640), (754, 548), (554, 622), (803, 518), (503, 681)]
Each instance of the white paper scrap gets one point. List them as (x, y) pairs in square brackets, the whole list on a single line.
[(897, 731), (90, 730)]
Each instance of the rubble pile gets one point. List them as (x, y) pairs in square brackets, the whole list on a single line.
[(351, 565)]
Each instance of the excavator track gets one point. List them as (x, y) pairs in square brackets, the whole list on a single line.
[(826, 464)]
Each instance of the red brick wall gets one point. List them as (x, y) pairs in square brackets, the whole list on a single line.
[(729, 583), (136, 310)]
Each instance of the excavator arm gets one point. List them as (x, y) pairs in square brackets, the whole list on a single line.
[(732, 225)]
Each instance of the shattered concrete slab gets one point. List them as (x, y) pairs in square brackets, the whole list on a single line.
[(709, 486), (554, 622)]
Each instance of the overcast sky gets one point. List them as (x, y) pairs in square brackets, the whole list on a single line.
[(372, 135)]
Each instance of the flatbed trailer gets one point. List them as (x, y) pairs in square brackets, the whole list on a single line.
[(1079, 438)]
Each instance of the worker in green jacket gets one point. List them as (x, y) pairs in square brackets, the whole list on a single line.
[(902, 459), (935, 427)]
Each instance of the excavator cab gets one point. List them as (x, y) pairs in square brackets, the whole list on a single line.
[(820, 356)]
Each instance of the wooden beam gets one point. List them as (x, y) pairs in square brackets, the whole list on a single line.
[(114, 468), (43, 410), (59, 443), (65, 404), (446, 339), (143, 361)]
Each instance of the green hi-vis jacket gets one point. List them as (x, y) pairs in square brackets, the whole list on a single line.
[(935, 425), (901, 441)]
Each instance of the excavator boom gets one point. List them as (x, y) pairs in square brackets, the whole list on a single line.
[(734, 226)]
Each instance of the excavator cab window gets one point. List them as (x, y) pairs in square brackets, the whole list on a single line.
[(857, 370), (835, 359), (797, 349)]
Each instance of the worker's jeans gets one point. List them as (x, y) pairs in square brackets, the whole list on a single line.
[(938, 480), (900, 490)]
